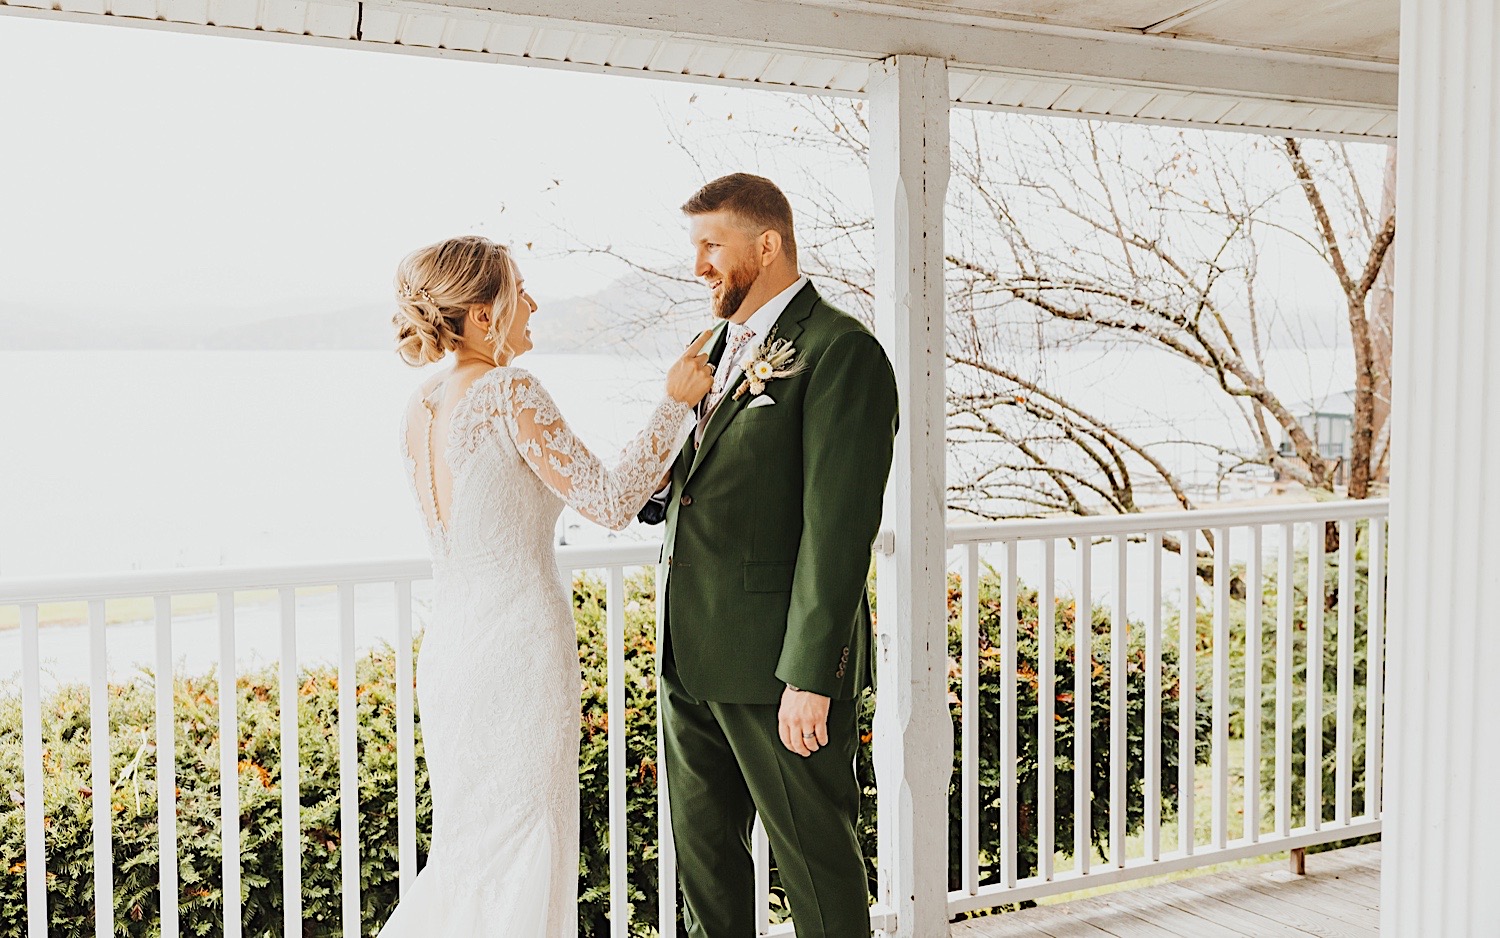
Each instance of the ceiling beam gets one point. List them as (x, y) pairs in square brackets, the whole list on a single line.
[(1002, 45), (1192, 12)]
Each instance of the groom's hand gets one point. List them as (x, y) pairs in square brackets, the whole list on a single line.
[(803, 721)]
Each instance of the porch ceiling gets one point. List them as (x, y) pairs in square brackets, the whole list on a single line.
[(1324, 68)]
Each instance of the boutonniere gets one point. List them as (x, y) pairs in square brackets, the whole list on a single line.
[(776, 358)]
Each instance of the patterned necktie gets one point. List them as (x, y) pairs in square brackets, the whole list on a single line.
[(739, 338)]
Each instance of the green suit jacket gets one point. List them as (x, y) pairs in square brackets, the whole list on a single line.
[(771, 519)]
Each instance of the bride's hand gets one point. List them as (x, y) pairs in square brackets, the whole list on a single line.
[(690, 377)]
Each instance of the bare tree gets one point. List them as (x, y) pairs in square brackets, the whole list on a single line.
[(1072, 237)]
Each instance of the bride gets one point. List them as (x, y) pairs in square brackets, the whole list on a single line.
[(492, 463)]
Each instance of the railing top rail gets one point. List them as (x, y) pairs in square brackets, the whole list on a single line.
[(21, 591), (132, 584), (1151, 521)]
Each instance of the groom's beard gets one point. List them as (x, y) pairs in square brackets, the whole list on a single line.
[(736, 287)]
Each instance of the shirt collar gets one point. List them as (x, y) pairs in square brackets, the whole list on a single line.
[(764, 319)]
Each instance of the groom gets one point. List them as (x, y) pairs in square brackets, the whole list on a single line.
[(765, 639)]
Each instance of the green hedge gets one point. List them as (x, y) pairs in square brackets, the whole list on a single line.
[(68, 805), (1327, 680)]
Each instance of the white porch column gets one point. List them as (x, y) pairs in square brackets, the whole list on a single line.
[(1441, 872), (913, 731)]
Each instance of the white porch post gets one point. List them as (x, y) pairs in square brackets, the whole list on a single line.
[(1442, 818), (913, 731)]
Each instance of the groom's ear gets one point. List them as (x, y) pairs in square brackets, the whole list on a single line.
[(770, 247)]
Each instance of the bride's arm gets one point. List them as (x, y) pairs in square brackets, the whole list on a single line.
[(604, 495)]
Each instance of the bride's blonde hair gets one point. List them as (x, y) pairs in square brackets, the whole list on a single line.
[(436, 285)]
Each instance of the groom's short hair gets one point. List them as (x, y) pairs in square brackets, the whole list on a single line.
[(755, 200)]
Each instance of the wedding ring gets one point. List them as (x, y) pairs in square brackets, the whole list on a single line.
[(809, 735)]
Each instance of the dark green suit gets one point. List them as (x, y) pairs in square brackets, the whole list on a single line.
[(770, 522)]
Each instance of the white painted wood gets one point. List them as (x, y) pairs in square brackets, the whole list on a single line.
[(57, 589), (614, 605), (1344, 717), (229, 767), (1046, 730), (760, 849), (666, 859), (969, 665), (1374, 671), (100, 782), (1083, 720), (1254, 587), (1008, 726), (1440, 864), (1220, 752), (1110, 74), (1313, 764), (166, 769), (1178, 19), (1010, 888), (1285, 611), (31, 760), (1156, 108), (977, 41), (1119, 635), (909, 167), (291, 769), (1153, 702), (406, 758), (348, 765), (1067, 881), (1162, 521), (1187, 695)]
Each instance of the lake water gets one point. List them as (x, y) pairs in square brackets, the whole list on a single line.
[(115, 461), (148, 460)]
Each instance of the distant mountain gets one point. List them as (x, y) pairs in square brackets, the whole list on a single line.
[(631, 315), (354, 328), (621, 316)]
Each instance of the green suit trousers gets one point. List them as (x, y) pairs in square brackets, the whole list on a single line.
[(725, 764)]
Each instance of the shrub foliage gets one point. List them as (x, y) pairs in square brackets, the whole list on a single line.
[(68, 804)]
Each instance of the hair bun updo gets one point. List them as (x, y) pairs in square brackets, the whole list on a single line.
[(436, 286)]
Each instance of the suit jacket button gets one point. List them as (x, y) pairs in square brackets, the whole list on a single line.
[(687, 500), (839, 673)]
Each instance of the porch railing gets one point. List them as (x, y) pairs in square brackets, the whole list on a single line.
[(1238, 552), (1006, 544)]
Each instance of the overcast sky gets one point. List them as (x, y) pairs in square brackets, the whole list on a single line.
[(145, 170)]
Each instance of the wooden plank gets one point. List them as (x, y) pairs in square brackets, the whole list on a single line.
[(1159, 918), (1061, 921), (1338, 900), (1365, 874), (1353, 875), (1007, 925), (1214, 909), (1066, 920), (1353, 902), (1358, 885), (1277, 904)]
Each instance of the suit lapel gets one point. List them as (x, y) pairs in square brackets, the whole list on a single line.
[(789, 326)]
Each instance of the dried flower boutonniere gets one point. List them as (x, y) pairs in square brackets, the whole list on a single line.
[(775, 359)]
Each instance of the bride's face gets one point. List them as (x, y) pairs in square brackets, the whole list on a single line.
[(518, 340)]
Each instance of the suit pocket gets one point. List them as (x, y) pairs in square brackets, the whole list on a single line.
[(769, 577)]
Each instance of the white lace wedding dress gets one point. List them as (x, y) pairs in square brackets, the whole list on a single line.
[(497, 679)]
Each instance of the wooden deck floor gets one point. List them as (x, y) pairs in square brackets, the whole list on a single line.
[(1338, 898)]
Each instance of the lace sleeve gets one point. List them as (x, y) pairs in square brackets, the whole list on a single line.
[(604, 495)]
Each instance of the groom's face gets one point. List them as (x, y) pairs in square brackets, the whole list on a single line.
[(727, 259)]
